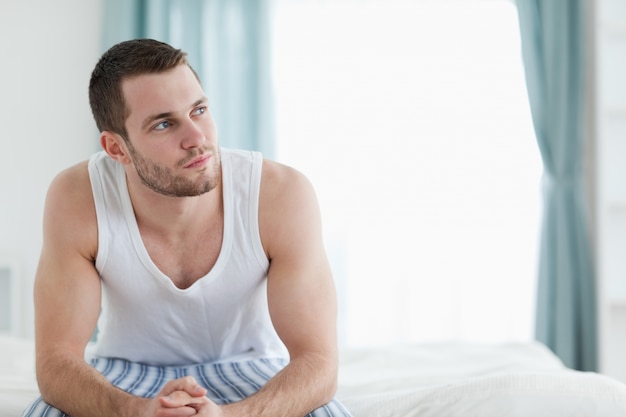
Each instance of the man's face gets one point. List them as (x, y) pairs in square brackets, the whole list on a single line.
[(172, 134)]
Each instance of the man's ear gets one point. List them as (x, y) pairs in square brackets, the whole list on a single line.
[(115, 146)]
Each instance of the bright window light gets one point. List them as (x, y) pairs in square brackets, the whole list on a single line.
[(411, 119)]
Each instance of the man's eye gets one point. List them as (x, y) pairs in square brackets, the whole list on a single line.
[(199, 110), (162, 126)]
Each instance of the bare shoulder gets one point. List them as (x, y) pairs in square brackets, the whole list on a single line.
[(69, 215), (288, 207), (70, 191), (279, 179)]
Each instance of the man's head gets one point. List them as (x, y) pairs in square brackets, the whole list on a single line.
[(154, 118), (122, 61)]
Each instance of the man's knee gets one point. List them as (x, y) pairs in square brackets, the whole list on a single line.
[(333, 408), (39, 409)]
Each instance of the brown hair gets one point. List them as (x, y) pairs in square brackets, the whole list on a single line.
[(122, 61)]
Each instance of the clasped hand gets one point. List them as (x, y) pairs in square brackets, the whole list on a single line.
[(183, 397)]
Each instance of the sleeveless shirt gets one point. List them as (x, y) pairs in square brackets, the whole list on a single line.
[(145, 318)]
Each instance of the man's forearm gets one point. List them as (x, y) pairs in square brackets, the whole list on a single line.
[(306, 383), (70, 384)]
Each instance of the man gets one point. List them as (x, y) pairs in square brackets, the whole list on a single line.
[(216, 294)]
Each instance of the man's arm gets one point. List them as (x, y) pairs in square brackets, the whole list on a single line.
[(67, 304), (301, 296)]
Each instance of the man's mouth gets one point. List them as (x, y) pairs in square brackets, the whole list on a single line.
[(198, 162)]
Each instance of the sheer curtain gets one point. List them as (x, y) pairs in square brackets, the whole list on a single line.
[(227, 43), (411, 118)]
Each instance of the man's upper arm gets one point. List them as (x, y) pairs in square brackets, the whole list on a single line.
[(301, 290), (67, 286)]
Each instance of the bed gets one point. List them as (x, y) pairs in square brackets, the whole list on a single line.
[(428, 380)]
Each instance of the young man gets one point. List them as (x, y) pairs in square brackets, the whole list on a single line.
[(205, 266)]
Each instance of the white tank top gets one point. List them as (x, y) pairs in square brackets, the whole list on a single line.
[(145, 317)]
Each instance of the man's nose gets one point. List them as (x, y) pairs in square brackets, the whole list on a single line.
[(193, 136)]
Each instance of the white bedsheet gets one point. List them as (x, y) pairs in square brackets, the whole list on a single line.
[(465, 380), (431, 380), (18, 385)]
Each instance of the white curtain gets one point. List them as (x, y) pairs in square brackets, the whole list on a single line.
[(411, 119)]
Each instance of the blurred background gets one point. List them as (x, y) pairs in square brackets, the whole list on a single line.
[(435, 168)]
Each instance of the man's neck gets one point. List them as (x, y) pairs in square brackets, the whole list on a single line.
[(167, 215)]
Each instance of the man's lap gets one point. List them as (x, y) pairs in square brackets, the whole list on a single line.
[(226, 382)]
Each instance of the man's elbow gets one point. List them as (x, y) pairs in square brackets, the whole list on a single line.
[(53, 370), (329, 378), (331, 390)]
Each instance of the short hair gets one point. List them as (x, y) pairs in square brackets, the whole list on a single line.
[(122, 61)]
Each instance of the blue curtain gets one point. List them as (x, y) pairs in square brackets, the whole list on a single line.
[(228, 46), (553, 39)]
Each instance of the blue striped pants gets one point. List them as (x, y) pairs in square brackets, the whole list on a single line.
[(226, 382)]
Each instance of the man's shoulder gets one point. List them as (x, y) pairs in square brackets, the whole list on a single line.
[(79, 172), (282, 175), (70, 191), (71, 178), (69, 214), (285, 192), (275, 176)]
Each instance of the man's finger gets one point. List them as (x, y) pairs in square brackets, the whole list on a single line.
[(177, 412), (181, 399), (187, 384)]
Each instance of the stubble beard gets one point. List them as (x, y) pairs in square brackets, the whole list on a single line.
[(162, 180)]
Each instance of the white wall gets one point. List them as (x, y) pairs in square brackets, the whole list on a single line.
[(47, 51)]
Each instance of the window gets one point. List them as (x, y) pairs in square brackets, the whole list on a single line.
[(411, 119)]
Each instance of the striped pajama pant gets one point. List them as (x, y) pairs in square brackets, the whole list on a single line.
[(226, 382)]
